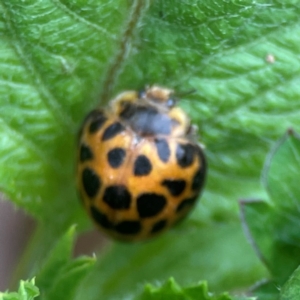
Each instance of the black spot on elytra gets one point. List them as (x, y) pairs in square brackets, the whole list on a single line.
[(100, 218), (150, 204), (163, 149), (90, 116), (128, 227), (116, 157), (85, 153), (98, 119), (175, 187), (158, 226), (112, 130), (117, 197), (186, 203), (91, 182), (142, 166), (185, 154), (146, 120)]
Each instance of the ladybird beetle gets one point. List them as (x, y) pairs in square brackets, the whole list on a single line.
[(140, 169)]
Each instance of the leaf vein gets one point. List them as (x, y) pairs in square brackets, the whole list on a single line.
[(22, 50), (25, 142), (77, 17)]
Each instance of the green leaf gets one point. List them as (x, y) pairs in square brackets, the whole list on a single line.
[(274, 226), (171, 290), (56, 260), (64, 284), (291, 289), (27, 291), (59, 275), (59, 59)]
